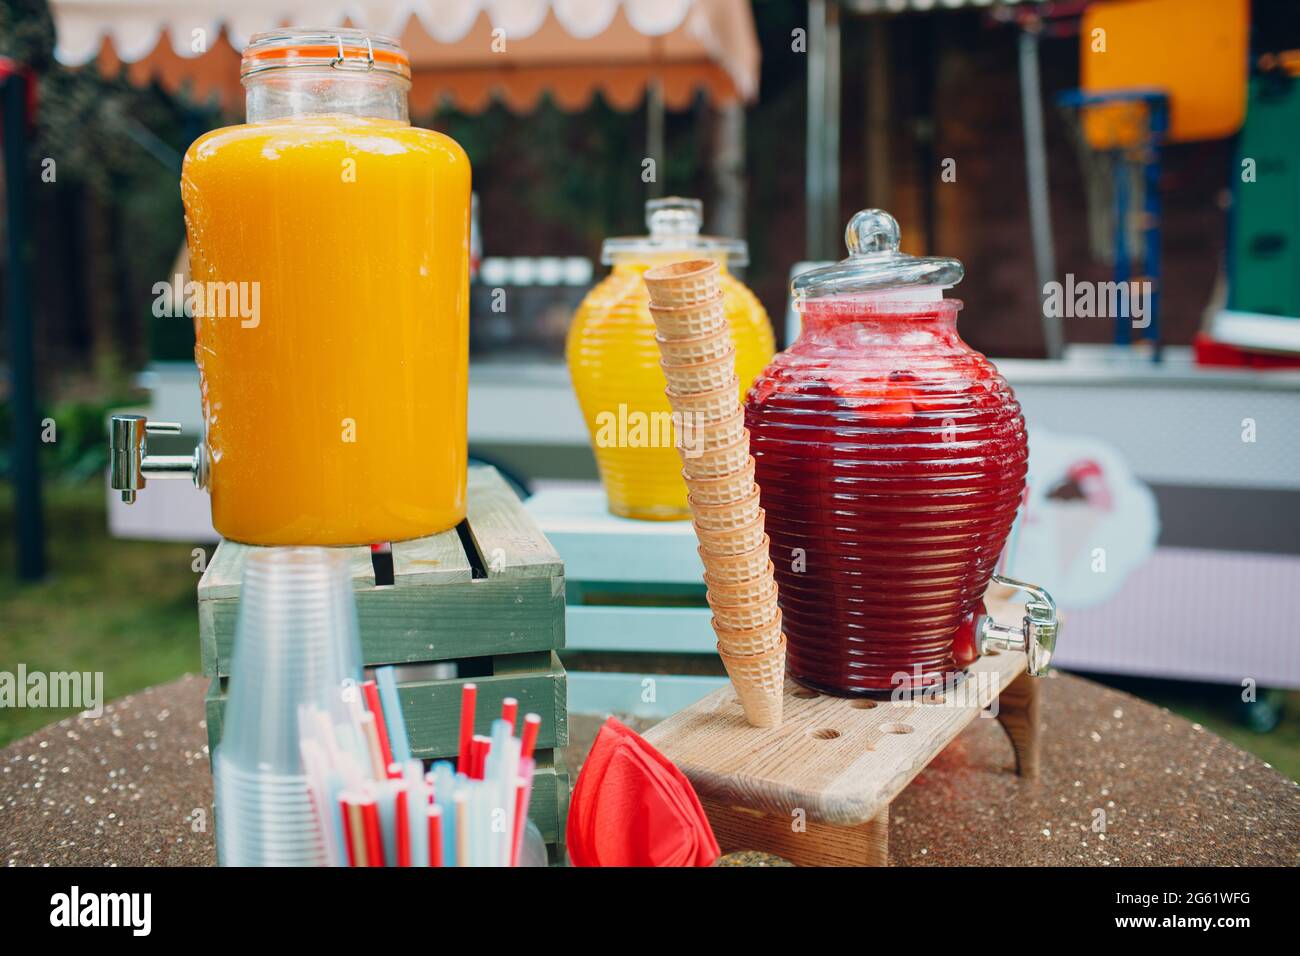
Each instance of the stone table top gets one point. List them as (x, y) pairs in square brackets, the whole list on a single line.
[(132, 787)]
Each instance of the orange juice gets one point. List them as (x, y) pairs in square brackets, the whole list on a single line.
[(614, 360), (336, 415)]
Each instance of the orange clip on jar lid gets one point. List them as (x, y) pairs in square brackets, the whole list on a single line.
[(343, 49)]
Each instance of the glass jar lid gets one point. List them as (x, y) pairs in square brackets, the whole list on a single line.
[(875, 264), (674, 225), (356, 51)]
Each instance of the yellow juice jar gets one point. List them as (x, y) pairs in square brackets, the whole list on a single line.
[(336, 414), (614, 360)]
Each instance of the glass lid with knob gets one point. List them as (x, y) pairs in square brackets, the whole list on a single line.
[(876, 266), (674, 223)]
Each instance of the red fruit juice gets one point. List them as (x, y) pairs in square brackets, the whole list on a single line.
[(891, 459)]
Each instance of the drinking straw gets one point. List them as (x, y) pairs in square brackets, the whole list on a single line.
[(461, 803), (403, 829), (435, 835), (417, 802), (509, 708), (479, 748), (381, 726), (386, 805), (532, 724), (371, 734), (468, 698), (345, 811), (357, 827), (504, 773), (444, 786), (374, 843), (392, 704), (523, 796)]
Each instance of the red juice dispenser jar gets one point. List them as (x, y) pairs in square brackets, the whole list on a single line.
[(891, 460)]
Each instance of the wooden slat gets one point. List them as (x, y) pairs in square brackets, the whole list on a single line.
[(842, 761), (804, 844), (221, 579), (508, 539), (432, 709), (684, 630), (402, 625), (437, 559), (598, 546)]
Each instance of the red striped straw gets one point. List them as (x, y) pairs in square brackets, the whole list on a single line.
[(403, 824), (345, 811), (509, 709), (371, 690), (479, 748), (532, 724), (521, 820), (468, 699), (374, 843), (435, 835)]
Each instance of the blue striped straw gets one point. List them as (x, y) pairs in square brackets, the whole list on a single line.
[(386, 678)]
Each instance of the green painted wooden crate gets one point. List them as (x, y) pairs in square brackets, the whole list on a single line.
[(488, 596)]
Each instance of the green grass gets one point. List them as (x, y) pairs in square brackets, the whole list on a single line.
[(126, 608)]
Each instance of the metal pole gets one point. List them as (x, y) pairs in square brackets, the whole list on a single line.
[(1040, 210), (22, 359), (832, 244), (814, 176), (654, 134)]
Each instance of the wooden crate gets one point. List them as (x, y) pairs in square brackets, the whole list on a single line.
[(487, 596)]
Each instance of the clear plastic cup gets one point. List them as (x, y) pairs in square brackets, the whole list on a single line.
[(296, 644)]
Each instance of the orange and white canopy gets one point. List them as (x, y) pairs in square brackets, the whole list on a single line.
[(467, 52)]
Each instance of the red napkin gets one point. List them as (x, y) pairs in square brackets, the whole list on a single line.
[(632, 807)]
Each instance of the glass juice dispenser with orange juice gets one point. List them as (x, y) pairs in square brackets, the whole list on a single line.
[(614, 360), (335, 415)]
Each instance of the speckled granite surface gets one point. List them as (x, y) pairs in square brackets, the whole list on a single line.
[(133, 788)]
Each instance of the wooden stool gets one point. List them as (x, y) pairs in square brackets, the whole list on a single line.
[(817, 789)]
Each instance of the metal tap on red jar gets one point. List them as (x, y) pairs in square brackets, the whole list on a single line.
[(891, 459)]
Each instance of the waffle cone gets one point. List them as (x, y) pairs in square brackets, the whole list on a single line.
[(738, 568), (711, 406), (759, 681), (698, 348), (747, 641), (739, 593), (675, 324), (724, 517), (718, 491), (684, 283), (718, 462), (737, 618), (696, 438), (702, 376), (732, 541)]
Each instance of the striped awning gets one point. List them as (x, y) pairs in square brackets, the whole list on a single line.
[(921, 6)]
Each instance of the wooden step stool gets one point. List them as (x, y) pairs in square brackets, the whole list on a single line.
[(487, 596), (817, 789)]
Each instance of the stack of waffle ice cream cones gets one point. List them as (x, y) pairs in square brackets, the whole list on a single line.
[(698, 360)]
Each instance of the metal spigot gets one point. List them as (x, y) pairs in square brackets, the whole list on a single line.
[(129, 461), (1036, 635)]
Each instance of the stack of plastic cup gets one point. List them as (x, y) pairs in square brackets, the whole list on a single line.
[(296, 643)]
